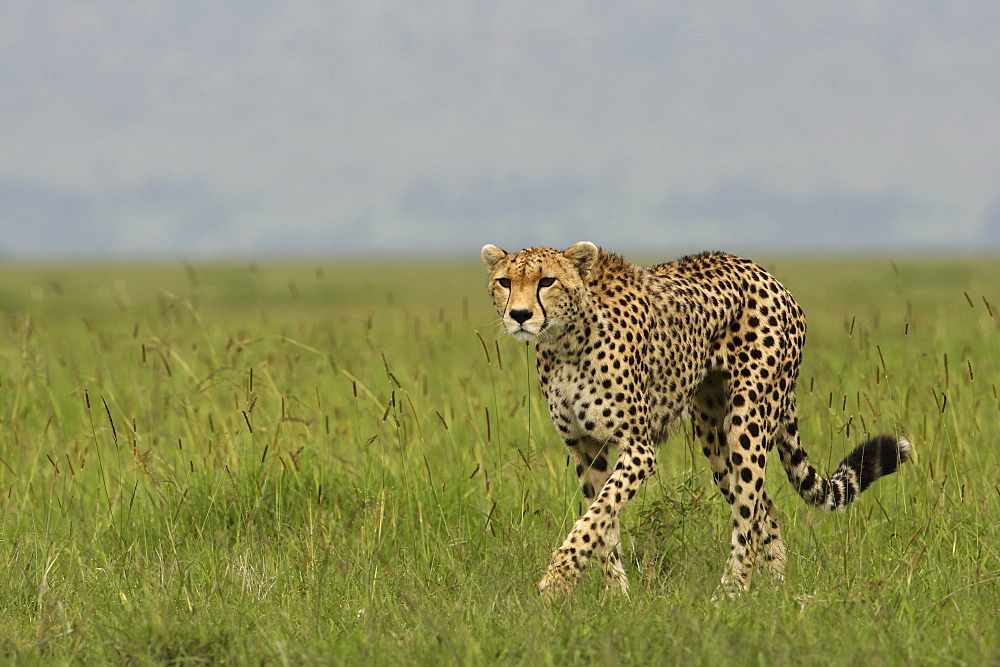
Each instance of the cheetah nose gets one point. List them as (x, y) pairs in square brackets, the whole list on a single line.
[(520, 315)]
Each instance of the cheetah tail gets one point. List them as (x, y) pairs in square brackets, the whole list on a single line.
[(871, 460)]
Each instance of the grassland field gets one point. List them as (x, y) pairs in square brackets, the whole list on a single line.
[(344, 463)]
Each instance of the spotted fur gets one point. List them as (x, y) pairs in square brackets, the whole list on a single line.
[(623, 352)]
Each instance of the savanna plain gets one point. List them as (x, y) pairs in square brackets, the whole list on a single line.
[(346, 463)]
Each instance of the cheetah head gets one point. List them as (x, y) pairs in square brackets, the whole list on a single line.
[(536, 290)]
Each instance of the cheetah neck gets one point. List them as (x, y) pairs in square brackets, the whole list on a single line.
[(571, 340)]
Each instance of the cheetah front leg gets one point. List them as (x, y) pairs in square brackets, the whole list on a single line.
[(597, 531), (612, 564), (593, 470)]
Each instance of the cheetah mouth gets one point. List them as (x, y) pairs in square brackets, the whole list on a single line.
[(524, 335), (528, 332)]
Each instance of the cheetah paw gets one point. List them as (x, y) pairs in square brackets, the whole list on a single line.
[(554, 586)]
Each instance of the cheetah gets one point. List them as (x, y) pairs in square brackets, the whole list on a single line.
[(624, 353)]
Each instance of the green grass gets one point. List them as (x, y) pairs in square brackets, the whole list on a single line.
[(342, 464)]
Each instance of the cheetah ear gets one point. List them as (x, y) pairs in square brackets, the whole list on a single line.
[(492, 255), (584, 255)]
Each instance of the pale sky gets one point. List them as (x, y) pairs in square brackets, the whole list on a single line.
[(201, 129)]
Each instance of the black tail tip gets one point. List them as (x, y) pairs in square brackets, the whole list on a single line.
[(880, 456), (888, 450)]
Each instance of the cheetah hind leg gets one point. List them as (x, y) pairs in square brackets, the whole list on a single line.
[(772, 554)]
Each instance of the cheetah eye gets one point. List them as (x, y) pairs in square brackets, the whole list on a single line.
[(504, 282), (546, 282)]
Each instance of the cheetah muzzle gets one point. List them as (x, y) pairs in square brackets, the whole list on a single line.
[(624, 351)]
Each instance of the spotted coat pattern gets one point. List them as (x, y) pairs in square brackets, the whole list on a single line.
[(623, 352)]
